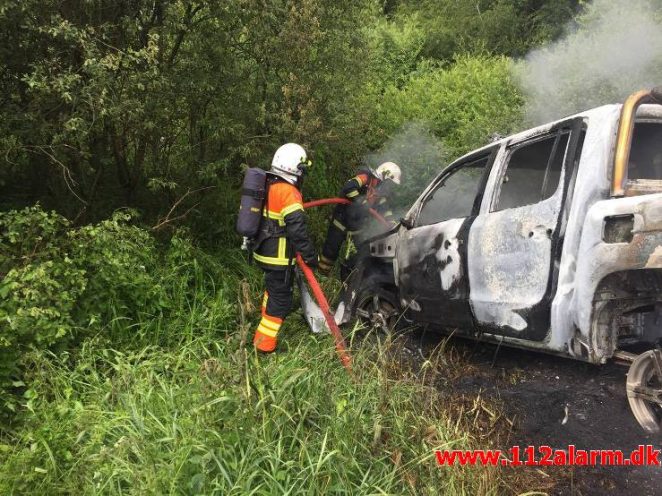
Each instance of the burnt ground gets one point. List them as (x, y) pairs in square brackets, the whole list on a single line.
[(533, 390)]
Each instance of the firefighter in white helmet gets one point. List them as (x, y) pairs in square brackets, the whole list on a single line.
[(283, 233), (367, 189)]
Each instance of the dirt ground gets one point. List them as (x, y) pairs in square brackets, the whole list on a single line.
[(534, 390)]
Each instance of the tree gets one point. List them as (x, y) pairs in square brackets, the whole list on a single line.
[(500, 27), (110, 104)]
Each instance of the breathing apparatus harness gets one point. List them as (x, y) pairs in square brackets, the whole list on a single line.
[(254, 201)]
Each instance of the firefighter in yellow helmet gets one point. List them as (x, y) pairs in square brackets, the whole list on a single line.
[(367, 189), (283, 233)]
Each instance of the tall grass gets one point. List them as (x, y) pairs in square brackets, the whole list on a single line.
[(176, 402), (208, 418)]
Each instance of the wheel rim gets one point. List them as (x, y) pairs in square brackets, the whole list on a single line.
[(378, 312), (644, 389)]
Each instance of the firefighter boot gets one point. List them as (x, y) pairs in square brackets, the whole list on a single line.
[(266, 334)]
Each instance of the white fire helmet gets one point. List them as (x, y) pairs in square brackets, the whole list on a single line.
[(289, 162), (389, 170)]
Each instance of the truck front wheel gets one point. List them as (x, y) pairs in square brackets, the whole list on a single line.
[(377, 307)]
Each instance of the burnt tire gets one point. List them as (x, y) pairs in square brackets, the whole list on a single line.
[(377, 307)]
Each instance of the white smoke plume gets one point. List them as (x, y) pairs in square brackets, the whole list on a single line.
[(419, 154), (613, 49)]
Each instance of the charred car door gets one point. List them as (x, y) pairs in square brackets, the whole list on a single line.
[(515, 243), (431, 262)]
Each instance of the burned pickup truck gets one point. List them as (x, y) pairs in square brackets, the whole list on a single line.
[(548, 240)]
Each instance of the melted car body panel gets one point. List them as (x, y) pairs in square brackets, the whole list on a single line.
[(572, 274), (509, 260), (432, 276), (431, 264), (513, 248)]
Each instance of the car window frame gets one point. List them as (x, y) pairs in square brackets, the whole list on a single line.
[(512, 147), (632, 183), (490, 152)]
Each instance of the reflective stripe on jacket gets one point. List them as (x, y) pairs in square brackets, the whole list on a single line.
[(363, 183), (283, 229), (364, 190)]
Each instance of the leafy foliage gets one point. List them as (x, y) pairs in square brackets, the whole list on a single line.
[(500, 27), (465, 104), (63, 284), (111, 105), (149, 388), (136, 104)]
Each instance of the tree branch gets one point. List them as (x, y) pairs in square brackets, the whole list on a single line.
[(168, 219), (188, 18)]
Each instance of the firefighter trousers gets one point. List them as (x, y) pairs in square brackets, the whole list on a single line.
[(276, 305), (346, 219)]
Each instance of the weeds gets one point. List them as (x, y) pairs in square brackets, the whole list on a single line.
[(162, 421), (170, 398)]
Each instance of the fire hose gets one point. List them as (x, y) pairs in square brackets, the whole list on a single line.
[(343, 354), (341, 349), (341, 201)]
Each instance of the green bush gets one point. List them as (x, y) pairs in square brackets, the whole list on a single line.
[(119, 262), (62, 284), (463, 104), (40, 287)]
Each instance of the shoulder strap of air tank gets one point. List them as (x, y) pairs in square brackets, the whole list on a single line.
[(265, 204), (290, 268)]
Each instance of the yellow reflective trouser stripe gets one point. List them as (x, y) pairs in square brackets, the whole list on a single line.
[(337, 223), (273, 320), (292, 208), (352, 194), (265, 299), (266, 331)]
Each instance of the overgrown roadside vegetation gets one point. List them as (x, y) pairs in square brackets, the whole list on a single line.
[(136, 104), (187, 420), (142, 382)]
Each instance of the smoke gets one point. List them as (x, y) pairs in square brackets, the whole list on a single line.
[(419, 154), (614, 49)]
